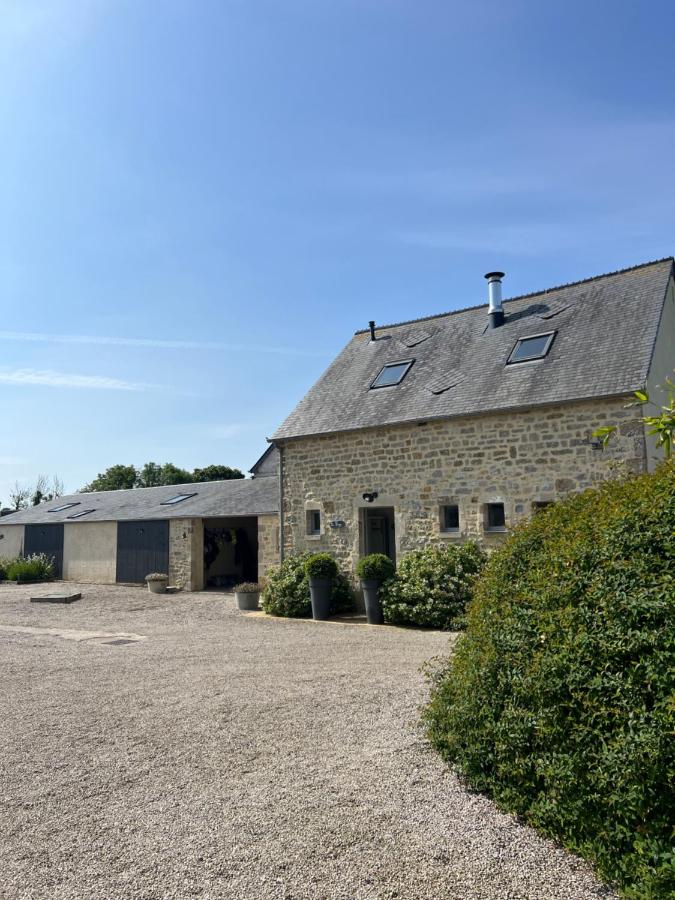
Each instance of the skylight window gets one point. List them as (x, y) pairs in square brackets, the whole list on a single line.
[(392, 373), (63, 506), (80, 513), (177, 499), (534, 347)]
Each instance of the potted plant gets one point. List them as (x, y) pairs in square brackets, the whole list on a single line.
[(247, 595), (157, 582), (373, 570), (321, 570)]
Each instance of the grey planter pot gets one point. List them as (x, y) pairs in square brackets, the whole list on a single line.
[(247, 601), (157, 587), (321, 590), (371, 596)]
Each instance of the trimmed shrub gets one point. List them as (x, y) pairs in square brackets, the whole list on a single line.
[(247, 587), (375, 567), (37, 567), (559, 699), (320, 565), (433, 586), (286, 590)]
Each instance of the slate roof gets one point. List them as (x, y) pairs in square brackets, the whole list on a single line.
[(267, 465), (605, 333), (238, 497)]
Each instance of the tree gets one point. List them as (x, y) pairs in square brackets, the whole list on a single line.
[(40, 491), (216, 473), (19, 496), (116, 478), (150, 475), (173, 475)]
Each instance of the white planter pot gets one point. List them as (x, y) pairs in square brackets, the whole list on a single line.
[(158, 587)]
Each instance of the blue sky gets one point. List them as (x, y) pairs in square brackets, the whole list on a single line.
[(201, 200)]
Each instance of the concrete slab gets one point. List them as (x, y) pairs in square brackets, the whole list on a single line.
[(62, 597)]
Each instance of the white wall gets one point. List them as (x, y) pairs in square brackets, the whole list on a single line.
[(11, 542), (90, 552)]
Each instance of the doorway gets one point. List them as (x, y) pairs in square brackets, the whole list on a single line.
[(379, 534)]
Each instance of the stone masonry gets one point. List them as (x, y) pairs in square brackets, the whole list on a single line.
[(516, 458), (268, 543), (186, 554)]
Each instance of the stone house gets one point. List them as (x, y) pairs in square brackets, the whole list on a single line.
[(460, 425)]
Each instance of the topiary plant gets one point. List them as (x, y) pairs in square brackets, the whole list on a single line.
[(375, 567), (286, 591), (321, 565), (433, 586), (558, 701)]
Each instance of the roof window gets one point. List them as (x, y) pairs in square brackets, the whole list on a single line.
[(534, 347), (392, 373), (63, 506), (177, 499), (80, 513)]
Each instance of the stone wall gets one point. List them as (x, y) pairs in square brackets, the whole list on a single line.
[(186, 554), (514, 458), (268, 543)]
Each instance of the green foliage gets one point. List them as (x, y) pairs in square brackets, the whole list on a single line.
[(216, 473), (375, 567), (560, 698), (4, 563), (661, 425), (321, 565), (433, 586), (157, 576), (37, 567), (286, 590), (152, 474), (248, 587), (116, 478)]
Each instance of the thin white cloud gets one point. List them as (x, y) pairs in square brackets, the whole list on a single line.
[(12, 461), (224, 432), (111, 341), (49, 378)]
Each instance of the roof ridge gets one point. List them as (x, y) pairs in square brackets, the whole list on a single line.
[(149, 487), (558, 287)]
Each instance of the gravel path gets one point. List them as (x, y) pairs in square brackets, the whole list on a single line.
[(236, 756)]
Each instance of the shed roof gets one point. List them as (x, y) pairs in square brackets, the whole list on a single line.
[(238, 497), (605, 333)]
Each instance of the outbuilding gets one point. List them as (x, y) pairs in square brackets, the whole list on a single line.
[(208, 534)]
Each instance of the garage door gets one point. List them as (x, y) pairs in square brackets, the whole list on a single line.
[(47, 539), (142, 548)]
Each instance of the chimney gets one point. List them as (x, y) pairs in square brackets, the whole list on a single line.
[(495, 310), (371, 325)]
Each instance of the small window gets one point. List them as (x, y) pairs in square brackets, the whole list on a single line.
[(177, 499), (450, 517), (528, 348), (63, 506), (494, 517), (392, 373), (540, 505), (313, 521), (82, 512)]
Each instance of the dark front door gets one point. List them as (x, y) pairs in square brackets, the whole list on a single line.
[(142, 548), (379, 531), (47, 539)]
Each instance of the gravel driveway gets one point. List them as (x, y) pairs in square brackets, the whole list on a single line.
[(228, 755)]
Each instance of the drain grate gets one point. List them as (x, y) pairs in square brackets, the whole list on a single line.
[(118, 643)]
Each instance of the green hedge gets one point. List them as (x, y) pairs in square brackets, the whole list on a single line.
[(287, 590), (560, 698), (432, 586)]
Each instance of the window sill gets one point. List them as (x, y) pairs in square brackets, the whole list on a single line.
[(446, 533), (313, 537), (499, 530)]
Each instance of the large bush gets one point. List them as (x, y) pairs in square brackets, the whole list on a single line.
[(287, 590), (432, 586), (37, 567), (560, 698)]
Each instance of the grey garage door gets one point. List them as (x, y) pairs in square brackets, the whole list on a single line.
[(47, 539), (142, 547)]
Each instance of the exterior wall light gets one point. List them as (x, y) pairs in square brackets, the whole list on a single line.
[(337, 523), (373, 495)]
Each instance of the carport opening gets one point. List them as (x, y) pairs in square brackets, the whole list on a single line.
[(230, 551)]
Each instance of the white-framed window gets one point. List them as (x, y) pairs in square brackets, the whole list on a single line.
[(313, 521)]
